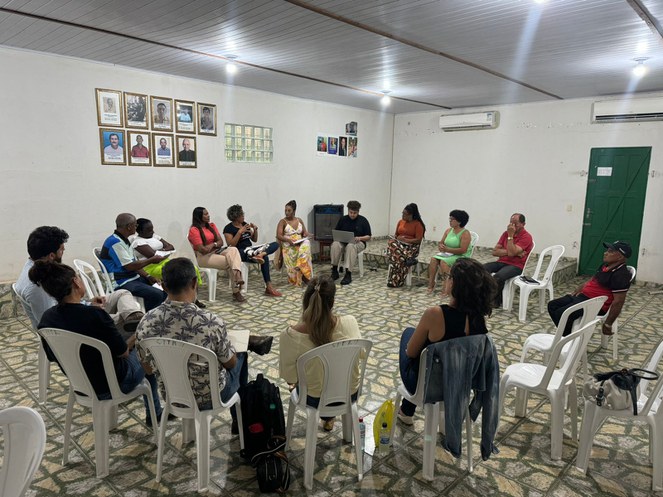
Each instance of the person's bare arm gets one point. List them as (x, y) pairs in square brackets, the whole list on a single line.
[(139, 265), (304, 232), (499, 250), (429, 320), (613, 313), (233, 240), (145, 250), (167, 245), (280, 232)]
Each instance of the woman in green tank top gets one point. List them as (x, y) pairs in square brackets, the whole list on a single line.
[(455, 243)]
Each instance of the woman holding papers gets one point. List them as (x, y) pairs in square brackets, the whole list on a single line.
[(403, 247), (243, 235), (295, 246), (455, 243)]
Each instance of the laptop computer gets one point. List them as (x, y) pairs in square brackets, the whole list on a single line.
[(343, 236)]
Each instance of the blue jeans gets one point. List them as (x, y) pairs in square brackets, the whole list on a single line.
[(409, 371), (133, 378), (273, 247), (315, 402), (140, 287), (235, 378)]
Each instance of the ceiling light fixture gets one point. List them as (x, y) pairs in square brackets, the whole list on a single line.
[(386, 99), (640, 69), (231, 67)]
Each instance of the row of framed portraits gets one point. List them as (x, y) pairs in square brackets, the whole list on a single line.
[(139, 148), (139, 111)]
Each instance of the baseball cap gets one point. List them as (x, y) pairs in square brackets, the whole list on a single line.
[(623, 248)]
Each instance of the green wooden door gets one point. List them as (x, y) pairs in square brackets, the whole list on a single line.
[(615, 202)]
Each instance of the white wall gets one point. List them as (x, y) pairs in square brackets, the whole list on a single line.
[(531, 163), (51, 172)]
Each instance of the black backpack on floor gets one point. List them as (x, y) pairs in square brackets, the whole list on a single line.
[(264, 434)]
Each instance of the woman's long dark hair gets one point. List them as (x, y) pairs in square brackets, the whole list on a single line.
[(55, 278), (473, 289), (317, 314), (197, 222), (414, 210)]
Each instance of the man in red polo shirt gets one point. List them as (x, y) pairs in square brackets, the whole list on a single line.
[(612, 279), (512, 248)]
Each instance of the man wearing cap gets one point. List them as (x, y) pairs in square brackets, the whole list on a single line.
[(612, 279)]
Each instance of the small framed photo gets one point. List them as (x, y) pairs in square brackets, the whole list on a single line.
[(185, 117), (186, 151), (207, 119), (109, 107), (162, 150), (136, 110), (162, 113), (111, 144), (139, 153)]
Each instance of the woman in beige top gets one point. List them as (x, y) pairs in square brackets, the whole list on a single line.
[(317, 326)]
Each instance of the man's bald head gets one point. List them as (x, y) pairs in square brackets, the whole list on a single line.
[(124, 219)]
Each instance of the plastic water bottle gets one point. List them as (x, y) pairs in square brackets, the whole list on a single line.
[(362, 432), (384, 439)]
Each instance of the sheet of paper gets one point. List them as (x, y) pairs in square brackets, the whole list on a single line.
[(301, 240), (239, 339), (163, 253)]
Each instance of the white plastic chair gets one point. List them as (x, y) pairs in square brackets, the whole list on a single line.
[(24, 435), (433, 416), (473, 242), (555, 383), (96, 251), (172, 362), (338, 361), (507, 292), (615, 326), (66, 347), (360, 262), (650, 411), (43, 364), (92, 282), (543, 284)]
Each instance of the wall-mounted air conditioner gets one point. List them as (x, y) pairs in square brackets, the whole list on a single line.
[(628, 110), (465, 122)]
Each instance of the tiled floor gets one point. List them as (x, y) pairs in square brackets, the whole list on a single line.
[(619, 463)]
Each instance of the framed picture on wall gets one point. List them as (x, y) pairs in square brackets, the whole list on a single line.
[(185, 117), (111, 144), (162, 150), (139, 151), (161, 113), (109, 107), (207, 119), (136, 110), (186, 151)]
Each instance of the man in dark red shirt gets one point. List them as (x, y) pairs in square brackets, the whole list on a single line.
[(612, 279)]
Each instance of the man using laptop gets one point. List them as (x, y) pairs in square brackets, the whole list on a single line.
[(357, 225)]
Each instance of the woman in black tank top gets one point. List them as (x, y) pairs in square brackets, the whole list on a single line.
[(472, 292)]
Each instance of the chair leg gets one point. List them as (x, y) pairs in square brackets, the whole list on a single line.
[(100, 422), (657, 456), (202, 450), (240, 422), (309, 451), (162, 439), (112, 417), (522, 302), (211, 280), (573, 406), (394, 420), (615, 340), (67, 426), (188, 430), (357, 437), (291, 418), (521, 402), (347, 427), (556, 425), (44, 373), (590, 422), (431, 413)]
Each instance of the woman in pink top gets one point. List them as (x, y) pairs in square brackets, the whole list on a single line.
[(208, 246)]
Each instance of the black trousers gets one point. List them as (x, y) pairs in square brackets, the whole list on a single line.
[(502, 272), (557, 307)]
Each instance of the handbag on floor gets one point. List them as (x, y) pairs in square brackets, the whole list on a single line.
[(617, 389)]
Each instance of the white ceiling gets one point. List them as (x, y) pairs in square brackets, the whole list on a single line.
[(429, 53)]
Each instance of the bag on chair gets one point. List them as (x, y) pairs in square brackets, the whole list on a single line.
[(617, 389)]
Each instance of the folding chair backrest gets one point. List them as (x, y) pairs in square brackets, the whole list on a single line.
[(90, 277), (24, 439), (555, 252), (577, 342), (66, 347), (529, 256), (633, 272), (473, 242), (172, 362), (652, 365), (338, 361), (108, 280)]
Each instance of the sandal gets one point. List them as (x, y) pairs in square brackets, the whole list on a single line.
[(328, 424)]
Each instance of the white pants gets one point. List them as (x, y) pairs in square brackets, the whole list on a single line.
[(351, 251)]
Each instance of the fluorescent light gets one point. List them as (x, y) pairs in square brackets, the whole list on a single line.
[(231, 67), (640, 69), (386, 99)]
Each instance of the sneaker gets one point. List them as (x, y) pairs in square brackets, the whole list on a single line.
[(406, 420), (347, 279), (131, 323), (334, 273), (328, 424), (260, 345)]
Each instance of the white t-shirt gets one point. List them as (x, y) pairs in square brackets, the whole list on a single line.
[(154, 243)]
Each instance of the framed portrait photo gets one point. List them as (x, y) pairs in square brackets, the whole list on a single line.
[(186, 151), (161, 113), (185, 116), (139, 148), (109, 107), (206, 119), (162, 150), (136, 110), (111, 144)]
